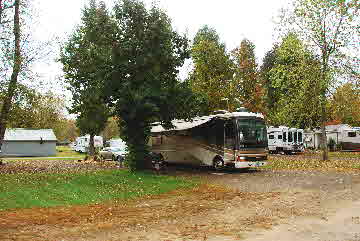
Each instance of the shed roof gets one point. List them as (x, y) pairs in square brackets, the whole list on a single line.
[(20, 134)]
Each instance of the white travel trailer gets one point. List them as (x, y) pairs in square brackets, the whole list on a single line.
[(346, 136), (236, 140), (82, 143), (286, 140)]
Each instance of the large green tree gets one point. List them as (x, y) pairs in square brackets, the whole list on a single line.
[(144, 87), (86, 59), (332, 28), (213, 71), (294, 82), (270, 97)]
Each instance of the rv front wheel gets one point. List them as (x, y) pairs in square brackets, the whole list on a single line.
[(218, 163)]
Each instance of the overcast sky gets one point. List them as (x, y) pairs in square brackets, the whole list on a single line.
[(234, 20)]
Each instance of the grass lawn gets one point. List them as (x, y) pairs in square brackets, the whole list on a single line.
[(47, 190), (67, 152)]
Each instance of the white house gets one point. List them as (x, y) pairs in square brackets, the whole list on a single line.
[(29, 142)]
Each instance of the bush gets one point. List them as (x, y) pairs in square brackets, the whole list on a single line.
[(339, 146), (332, 144)]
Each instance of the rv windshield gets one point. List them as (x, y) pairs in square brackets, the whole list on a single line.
[(252, 133)]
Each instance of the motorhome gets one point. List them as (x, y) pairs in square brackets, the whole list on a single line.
[(282, 139), (237, 140), (82, 143)]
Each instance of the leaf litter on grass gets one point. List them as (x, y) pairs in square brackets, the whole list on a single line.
[(166, 210)]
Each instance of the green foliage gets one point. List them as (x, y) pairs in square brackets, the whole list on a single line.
[(33, 110), (143, 86), (86, 59), (269, 62), (48, 190), (345, 104), (213, 72), (294, 83), (331, 27), (332, 144)]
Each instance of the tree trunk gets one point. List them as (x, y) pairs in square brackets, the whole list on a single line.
[(91, 146), (136, 135), (4, 116), (325, 155)]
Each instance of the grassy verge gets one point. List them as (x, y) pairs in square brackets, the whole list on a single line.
[(67, 152), (307, 163), (336, 154), (47, 190)]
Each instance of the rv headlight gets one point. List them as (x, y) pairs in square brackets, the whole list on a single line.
[(241, 158)]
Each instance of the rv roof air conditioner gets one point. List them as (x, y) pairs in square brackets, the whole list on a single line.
[(217, 112), (241, 109)]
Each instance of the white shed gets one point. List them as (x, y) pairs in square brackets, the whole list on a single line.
[(29, 142)]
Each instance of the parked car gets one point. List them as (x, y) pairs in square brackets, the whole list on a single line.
[(113, 153)]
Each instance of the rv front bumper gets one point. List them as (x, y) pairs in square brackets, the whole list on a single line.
[(245, 164)]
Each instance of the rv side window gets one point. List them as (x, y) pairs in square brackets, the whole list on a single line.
[(300, 138), (284, 137), (229, 135), (209, 133), (352, 134), (279, 137), (271, 137), (290, 137)]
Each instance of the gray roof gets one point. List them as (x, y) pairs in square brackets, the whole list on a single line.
[(180, 125), (339, 127), (19, 134)]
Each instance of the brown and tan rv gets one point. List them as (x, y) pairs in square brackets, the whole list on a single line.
[(237, 140)]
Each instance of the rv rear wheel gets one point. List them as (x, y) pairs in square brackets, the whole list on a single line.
[(218, 163)]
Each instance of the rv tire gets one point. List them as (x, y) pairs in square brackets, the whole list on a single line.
[(218, 163)]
